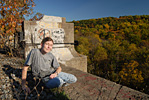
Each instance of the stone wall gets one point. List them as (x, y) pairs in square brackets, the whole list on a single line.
[(62, 34)]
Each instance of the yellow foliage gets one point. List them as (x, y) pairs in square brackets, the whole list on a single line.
[(76, 31), (9, 54), (106, 26), (1, 46), (131, 73), (134, 71), (97, 37), (132, 47)]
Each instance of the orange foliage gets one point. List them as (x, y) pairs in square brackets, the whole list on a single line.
[(11, 15)]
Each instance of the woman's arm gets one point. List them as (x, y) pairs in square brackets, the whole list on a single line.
[(24, 76), (59, 69)]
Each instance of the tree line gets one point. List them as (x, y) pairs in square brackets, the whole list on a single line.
[(117, 48)]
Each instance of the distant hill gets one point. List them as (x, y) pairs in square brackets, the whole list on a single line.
[(117, 48)]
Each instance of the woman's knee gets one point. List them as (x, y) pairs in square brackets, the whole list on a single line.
[(53, 83), (74, 79), (68, 78), (71, 79)]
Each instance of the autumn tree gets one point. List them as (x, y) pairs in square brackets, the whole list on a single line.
[(12, 13), (130, 74), (99, 58)]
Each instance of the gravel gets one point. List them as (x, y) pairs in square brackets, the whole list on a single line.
[(10, 80)]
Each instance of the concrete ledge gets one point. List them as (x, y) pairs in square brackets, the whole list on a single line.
[(90, 87)]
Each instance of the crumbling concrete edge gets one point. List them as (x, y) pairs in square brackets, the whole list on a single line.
[(91, 87)]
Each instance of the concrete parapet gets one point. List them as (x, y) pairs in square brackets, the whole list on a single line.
[(91, 87)]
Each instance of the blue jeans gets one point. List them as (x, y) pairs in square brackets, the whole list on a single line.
[(60, 80)]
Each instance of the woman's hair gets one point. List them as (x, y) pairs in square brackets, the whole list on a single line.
[(46, 39)]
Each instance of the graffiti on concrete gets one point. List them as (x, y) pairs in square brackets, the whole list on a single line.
[(49, 29), (43, 33), (56, 34)]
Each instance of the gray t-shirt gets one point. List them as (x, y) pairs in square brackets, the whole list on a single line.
[(41, 65)]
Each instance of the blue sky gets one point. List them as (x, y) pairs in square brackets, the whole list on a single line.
[(91, 9)]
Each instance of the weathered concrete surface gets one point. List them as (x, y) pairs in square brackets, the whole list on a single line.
[(62, 34), (90, 87)]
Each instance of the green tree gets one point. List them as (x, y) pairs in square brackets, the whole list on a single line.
[(99, 57), (83, 46)]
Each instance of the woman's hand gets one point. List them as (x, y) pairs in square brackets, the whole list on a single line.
[(58, 70), (53, 75), (26, 89)]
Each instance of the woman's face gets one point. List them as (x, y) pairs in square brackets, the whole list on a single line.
[(47, 46)]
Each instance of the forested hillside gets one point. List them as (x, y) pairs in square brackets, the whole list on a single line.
[(117, 48)]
